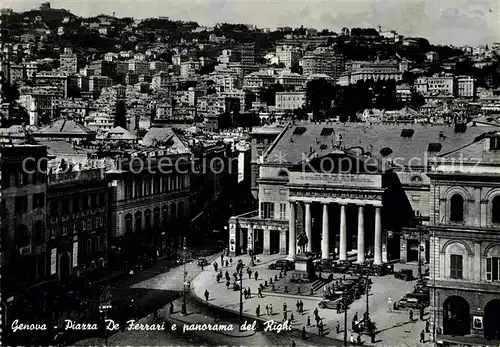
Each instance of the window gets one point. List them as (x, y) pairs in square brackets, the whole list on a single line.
[(493, 269), (156, 185), (283, 211), (76, 205), (38, 200), (102, 199), (495, 210), (93, 201), (495, 143), (457, 208), (456, 266), (85, 203), (147, 187), (38, 231), (65, 207), (128, 223), (21, 179), (267, 210), (138, 189), (21, 204), (128, 191), (164, 187)]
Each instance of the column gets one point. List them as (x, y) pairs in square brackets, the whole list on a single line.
[(232, 239), (292, 237), (282, 242), (267, 241), (325, 241), (361, 234), (308, 227), (378, 238), (343, 233)]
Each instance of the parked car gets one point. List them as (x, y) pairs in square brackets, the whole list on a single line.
[(342, 266), (382, 269), (324, 265), (202, 262), (331, 304), (411, 301), (282, 265), (404, 274)]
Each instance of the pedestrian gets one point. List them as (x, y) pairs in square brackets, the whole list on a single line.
[(422, 336), (427, 327), (337, 327), (245, 293), (227, 276), (155, 314), (358, 340), (227, 284), (338, 307), (303, 334), (202, 267), (317, 320), (256, 275), (421, 313), (285, 314), (301, 306), (216, 266), (298, 306), (249, 292), (222, 259), (308, 321), (267, 310), (231, 261), (293, 343), (292, 318), (259, 295), (227, 263), (207, 294), (411, 315), (351, 339), (284, 307), (270, 308), (355, 319), (235, 275), (171, 309), (372, 335), (316, 313), (257, 311), (249, 271), (217, 278)]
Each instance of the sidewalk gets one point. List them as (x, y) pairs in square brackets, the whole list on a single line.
[(394, 329)]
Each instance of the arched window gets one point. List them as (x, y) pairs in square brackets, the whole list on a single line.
[(495, 209), (283, 173), (147, 218), (457, 208), (138, 221), (416, 179), (128, 223)]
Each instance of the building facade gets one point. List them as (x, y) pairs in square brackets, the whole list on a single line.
[(290, 100), (465, 242)]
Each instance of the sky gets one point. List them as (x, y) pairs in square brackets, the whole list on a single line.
[(454, 22)]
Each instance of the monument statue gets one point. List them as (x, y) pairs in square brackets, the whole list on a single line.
[(302, 242)]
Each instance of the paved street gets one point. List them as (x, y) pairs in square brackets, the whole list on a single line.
[(394, 328)]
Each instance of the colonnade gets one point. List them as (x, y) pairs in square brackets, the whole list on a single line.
[(325, 242)]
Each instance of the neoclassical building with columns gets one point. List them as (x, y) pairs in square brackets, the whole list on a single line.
[(310, 183)]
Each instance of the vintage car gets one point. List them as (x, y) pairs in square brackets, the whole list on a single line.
[(404, 274), (282, 265), (331, 304), (412, 301), (202, 262), (324, 265), (342, 266)]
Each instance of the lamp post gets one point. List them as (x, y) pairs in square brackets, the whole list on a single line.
[(241, 296), (367, 317), (103, 308), (345, 317), (183, 308)]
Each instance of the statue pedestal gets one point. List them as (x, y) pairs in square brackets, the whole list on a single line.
[(304, 265)]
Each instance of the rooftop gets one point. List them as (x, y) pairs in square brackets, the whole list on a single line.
[(307, 140)]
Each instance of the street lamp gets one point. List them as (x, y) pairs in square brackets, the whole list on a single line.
[(183, 308), (241, 296), (367, 317), (103, 308)]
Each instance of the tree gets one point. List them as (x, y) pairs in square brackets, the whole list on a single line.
[(417, 100), (121, 114), (319, 96), (408, 77)]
